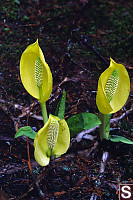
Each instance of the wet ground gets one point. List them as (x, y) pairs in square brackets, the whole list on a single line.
[(77, 38)]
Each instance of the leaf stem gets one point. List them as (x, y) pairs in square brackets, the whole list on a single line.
[(102, 128), (44, 112)]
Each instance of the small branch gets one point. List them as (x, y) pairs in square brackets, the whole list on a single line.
[(82, 133), (29, 161), (28, 152), (93, 196), (41, 194), (84, 6), (122, 116), (102, 168), (24, 110), (39, 178), (92, 149), (6, 138), (11, 154), (17, 168), (86, 43), (103, 162)]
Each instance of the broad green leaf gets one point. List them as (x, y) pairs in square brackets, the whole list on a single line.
[(117, 138), (60, 110), (82, 121), (27, 131)]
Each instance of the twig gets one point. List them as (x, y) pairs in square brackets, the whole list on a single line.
[(82, 133), (24, 110), (17, 168), (92, 149), (87, 44), (102, 168), (84, 6), (7, 152), (6, 138), (39, 178), (41, 194), (93, 196), (103, 162), (123, 115), (28, 150), (28, 111), (15, 120)]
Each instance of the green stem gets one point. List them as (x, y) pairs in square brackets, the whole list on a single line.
[(104, 133), (44, 112)]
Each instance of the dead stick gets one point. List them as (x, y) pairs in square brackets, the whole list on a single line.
[(7, 152), (41, 194), (86, 43)]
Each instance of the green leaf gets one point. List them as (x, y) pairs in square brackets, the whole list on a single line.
[(27, 131), (82, 121), (117, 138), (60, 110)]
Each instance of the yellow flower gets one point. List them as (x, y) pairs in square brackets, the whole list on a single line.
[(52, 139), (113, 88), (35, 73)]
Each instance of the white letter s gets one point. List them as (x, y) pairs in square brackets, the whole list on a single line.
[(126, 190)]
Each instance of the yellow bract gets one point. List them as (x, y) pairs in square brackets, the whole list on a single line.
[(52, 139), (35, 73), (113, 88)]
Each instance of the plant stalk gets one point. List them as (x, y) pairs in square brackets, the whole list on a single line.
[(44, 112), (102, 128)]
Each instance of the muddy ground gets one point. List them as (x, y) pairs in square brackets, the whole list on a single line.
[(77, 39)]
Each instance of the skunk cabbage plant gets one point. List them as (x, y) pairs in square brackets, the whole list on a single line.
[(35, 73), (113, 91), (113, 88), (51, 140)]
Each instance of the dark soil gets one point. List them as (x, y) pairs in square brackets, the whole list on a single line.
[(77, 40)]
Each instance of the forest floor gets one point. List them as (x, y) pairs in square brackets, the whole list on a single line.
[(77, 38)]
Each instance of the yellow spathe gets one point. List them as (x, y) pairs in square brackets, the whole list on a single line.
[(121, 93), (27, 73), (42, 151)]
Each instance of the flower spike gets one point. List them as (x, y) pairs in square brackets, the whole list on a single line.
[(111, 85)]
